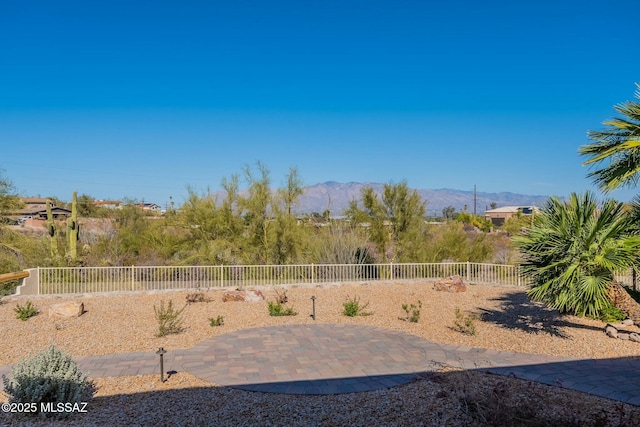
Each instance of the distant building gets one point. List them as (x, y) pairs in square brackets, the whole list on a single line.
[(498, 216), (150, 207), (36, 208)]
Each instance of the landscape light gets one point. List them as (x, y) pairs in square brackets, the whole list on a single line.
[(161, 351)]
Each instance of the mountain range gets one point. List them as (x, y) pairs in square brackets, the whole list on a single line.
[(335, 197)]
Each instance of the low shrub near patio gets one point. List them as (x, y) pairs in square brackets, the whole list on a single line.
[(218, 321), (464, 324), (48, 377), (278, 309), (413, 312), (352, 307), (169, 319)]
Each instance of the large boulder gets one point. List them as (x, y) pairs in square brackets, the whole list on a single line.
[(239, 295), (66, 310), (450, 284)]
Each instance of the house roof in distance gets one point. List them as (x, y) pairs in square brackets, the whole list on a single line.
[(513, 209)]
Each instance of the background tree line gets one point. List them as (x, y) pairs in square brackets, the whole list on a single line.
[(257, 226)]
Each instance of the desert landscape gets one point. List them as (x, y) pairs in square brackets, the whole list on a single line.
[(503, 317)]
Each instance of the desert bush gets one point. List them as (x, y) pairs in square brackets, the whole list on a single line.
[(278, 309), (48, 376), (464, 324), (169, 319), (342, 245), (196, 297), (218, 321), (413, 311), (611, 314), (24, 312), (352, 307)]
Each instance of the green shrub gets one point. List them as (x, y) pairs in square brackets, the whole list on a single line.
[(464, 324), (611, 314), (23, 312), (278, 309), (353, 308), (48, 376), (169, 319), (218, 321), (413, 312)]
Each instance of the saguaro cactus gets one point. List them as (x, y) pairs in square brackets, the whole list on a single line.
[(73, 229), (51, 226)]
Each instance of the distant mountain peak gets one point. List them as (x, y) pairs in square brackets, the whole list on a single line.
[(335, 196)]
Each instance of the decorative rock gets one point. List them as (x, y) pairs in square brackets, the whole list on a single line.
[(627, 322), (248, 296), (451, 284), (611, 331), (66, 309), (634, 337), (623, 336)]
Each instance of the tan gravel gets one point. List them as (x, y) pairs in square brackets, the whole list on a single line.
[(505, 320)]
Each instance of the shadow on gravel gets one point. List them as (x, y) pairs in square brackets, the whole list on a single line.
[(519, 312), (461, 398)]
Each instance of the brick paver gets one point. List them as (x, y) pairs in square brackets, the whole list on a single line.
[(333, 359)]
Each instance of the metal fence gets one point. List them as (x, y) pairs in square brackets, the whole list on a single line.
[(111, 279)]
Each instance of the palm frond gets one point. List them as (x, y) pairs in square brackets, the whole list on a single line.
[(618, 143)]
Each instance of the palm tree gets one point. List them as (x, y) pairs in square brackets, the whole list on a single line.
[(619, 143), (573, 250)]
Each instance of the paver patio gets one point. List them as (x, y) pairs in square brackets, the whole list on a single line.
[(338, 358)]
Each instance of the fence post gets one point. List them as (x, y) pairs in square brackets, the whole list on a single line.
[(133, 279), (468, 271), (313, 270), (222, 276), (518, 273)]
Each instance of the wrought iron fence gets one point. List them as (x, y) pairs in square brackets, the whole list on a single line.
[(134, 278)]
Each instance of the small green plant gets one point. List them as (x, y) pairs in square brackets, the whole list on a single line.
[(278, 309), (218, 321), (611, 314), (352, 307), (464, 324), (413, 312), (23, 312), (46, 379), (169, 319)]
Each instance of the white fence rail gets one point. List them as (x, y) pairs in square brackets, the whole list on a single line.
[(110, 279)]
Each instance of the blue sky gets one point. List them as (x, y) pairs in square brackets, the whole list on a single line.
[(141, 99)]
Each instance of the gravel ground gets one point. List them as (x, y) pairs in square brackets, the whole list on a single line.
[(505, 320)]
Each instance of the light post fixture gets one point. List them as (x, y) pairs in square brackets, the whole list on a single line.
[(313, 305), (161, 351)]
